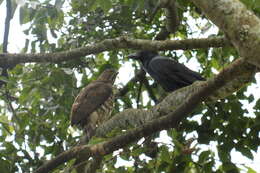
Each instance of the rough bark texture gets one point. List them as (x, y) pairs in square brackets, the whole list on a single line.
[(240, 25), (172, 18), (138, 117), (111, 44), (170, 120), (228, 15)]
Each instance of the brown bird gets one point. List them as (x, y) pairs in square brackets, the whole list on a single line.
[(94, 103)]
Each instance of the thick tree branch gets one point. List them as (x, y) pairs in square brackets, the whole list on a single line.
[(170, 120), (138, 117), (239, 24), (112, 44), (172, 20)]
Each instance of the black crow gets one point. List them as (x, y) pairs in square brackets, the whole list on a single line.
[(170, 74)]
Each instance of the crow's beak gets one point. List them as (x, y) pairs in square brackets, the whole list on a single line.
[(133, 56)]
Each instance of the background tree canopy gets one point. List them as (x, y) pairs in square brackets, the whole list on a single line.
[(72, 42)]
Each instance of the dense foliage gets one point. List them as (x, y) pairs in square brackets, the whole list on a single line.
[(37, 97)]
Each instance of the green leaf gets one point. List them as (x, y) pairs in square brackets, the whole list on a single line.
[(246, 152), (250, 170), (165, 154), (204, 156), (230, 167), (224, 153), (4, 119), (25, 14), (92, 5), (106, 5), (42, 92), (5, 166)]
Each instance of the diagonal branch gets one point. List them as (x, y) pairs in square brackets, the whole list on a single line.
[(239, 24), (138, 117), (172, 119), (112, 44)]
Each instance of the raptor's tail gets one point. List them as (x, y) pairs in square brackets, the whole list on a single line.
[(89, 132)]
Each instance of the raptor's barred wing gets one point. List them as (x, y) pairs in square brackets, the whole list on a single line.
[(88, 100)]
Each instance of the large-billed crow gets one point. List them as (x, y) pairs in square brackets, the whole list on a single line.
[(170, 74)]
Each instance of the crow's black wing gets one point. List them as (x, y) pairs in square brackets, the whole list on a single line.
[(171, 74)]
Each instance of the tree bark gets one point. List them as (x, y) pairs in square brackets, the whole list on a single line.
[(239, 24), (111, 44), (171, 120)]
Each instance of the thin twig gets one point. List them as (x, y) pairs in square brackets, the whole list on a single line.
[(150, 91), (6, 35), (139, 93), (139, 75), (7, 24)]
